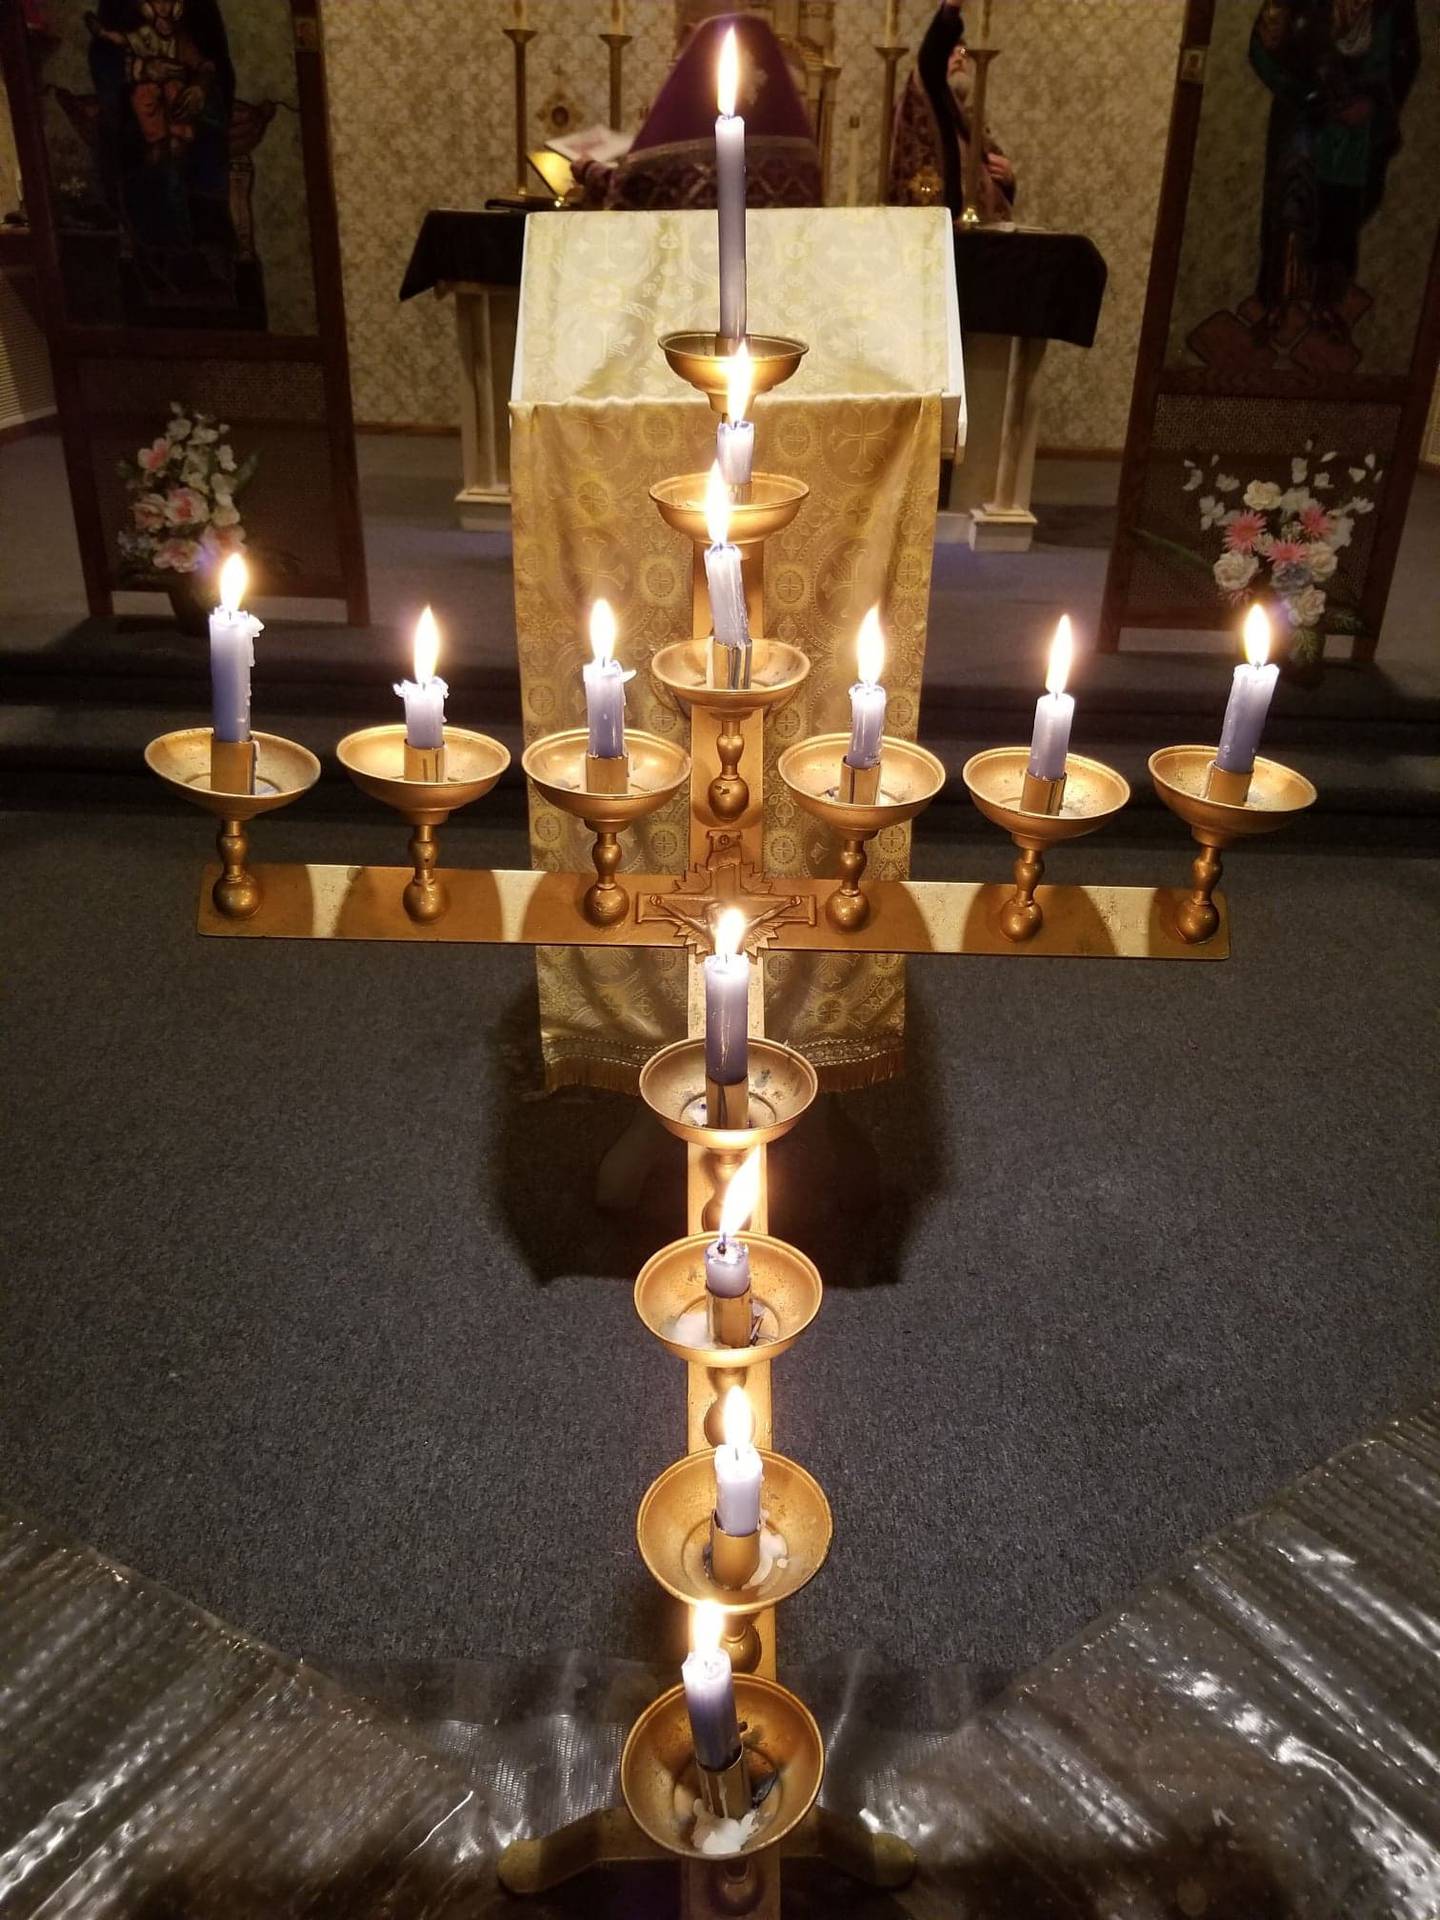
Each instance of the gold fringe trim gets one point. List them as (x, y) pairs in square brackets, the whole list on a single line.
[(845, 1076)]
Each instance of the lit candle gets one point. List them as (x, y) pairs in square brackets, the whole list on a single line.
[(710, 1691), (738, 1469), (1250, 693), (232, 654), (735, 435), (604, 687), (867, 696), (727, 1259), (1054, 710), (727, 1003), (424, 696), (726, 583), (730, 193)]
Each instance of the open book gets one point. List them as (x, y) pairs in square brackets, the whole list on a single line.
[(591, 143)]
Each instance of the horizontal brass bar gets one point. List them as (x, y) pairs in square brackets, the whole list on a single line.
[(525, 907)]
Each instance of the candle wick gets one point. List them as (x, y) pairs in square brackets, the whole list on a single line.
[(720, 1244)]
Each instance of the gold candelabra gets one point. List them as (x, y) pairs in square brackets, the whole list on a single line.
[(783, 1755)]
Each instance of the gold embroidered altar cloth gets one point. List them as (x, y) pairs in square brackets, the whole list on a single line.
[(597, 418)]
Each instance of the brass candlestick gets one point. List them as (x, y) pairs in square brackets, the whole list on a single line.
[(1084, 798), (617, 43), (1184, 778), (520, 38), (910, 778), (282, 771), (776, 672), (424, 785), (558, 764), (772, 502), (892, 55), (981, 57)]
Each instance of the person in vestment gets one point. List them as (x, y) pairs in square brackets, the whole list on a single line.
[(1338, 72), (933, 128)]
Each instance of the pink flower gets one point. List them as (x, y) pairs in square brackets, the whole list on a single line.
[(177, 556), (153, 457), (1243, 531), (148, 512), (1316, 522), (184, 506), (1286, 553)]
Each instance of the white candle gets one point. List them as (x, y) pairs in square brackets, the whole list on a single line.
[(1054, 710), (738, 1468), (730, 193), (232, 654), (726, 582), (710, 1691), (867, 696), (727, 1259), (424, 696), (604, 687), (735, 435), (1250, 693), (727, 1003)]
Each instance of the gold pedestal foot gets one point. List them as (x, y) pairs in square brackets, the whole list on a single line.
[(237, 892), (1197, 917), (847, 908), (607, 902), (425, 897), (875, 1859), (1022, 916), (607, 1837)]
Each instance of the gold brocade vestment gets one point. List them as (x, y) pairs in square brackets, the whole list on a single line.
[(597, 419)]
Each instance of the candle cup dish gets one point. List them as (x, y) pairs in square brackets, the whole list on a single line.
[(782, 1085), (785, 1289), (658, 770), (375, 759), (673, 1529), (283, 771), (785, 1760), (777, 670), (1181, 776), (703, 361), (1093, 793), (910, 778), (771, 502)]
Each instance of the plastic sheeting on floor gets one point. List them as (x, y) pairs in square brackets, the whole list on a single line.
[(1255, 1734)]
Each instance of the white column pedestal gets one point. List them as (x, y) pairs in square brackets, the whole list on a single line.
[(485, 321)]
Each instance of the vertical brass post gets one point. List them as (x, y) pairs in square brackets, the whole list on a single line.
[(425, 897), (237, 892), (1022, 916)]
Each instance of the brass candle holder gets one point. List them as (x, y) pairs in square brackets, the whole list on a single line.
[(617, 43), (279, 771), (781, 1086), (777, 670), (1089, 793), (557, 765), (774, 500), (979, 58), (892, 54), (673, 1527), (703, 361), (910, 778), (520, 38), (672, 1300), (1184, 779), (424, 786)]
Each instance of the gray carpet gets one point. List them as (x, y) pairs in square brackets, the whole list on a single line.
[(310, 1314)]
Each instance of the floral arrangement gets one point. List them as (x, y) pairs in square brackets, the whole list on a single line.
[(182, 488), (1282, 542)]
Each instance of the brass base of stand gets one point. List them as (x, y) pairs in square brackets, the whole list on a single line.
[(1185, 779)]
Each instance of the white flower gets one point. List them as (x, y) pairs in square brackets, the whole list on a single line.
[(1192, 478), (179, 427), (1234, 571), (226, 458), (1320, 560), (1369, 459), (1326, 458), (1295, 500), (1298, 470), (1360, 505), (1212, 512), (205, 435), (1262, 495), (1307, 607), (228, 516), (223, 489), (195, 474), (1339, 534), (1227, 482), (1356, 473), (1321, 483)]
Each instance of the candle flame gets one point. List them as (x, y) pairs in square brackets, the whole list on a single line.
[(234, 578), (870, 648), (1257, 636), (736, 1420), (427, 646), (1062, 652), (717, 506), (728, 82), (740, 1197), (707, 1627), (739, 381), (602, 633), (729, 932)]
